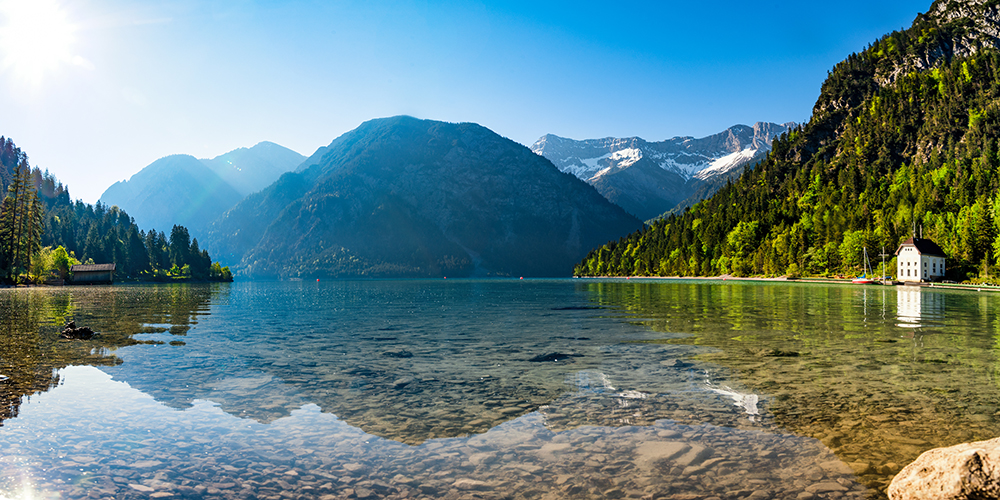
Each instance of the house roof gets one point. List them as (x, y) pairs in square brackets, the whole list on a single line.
[(82, 268), (924, 247)]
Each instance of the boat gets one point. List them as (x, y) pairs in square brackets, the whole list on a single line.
[(864, 279)]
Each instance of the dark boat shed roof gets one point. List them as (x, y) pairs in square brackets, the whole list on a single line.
[(82, 268)]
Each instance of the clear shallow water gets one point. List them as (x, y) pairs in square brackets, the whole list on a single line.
[(492, 389)]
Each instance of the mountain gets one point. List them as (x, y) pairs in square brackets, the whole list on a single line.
[(177, 189), (648, 179), (902, 136), (406, 197), (253, 169), (181, 189)]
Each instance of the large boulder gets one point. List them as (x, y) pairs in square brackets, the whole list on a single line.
[(964, 471)]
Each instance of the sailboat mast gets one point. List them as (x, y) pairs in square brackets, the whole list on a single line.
[(883, 264)]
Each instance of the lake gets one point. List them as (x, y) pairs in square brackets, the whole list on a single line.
[(488, 388)]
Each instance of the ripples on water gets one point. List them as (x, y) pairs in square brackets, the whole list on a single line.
[(492, 389)]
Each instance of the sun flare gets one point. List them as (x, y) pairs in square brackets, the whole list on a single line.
[(36, 38)]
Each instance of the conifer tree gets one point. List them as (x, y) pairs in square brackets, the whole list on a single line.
[(21, 216)]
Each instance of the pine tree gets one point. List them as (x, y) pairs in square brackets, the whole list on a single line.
[(21, 219)]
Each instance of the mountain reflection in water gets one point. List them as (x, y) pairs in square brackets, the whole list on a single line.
[(411, 361), (681, 386)]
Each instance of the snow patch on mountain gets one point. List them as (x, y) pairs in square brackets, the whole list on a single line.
[(587, 168), (648, 176), (686, 156), (728, 163), (626, 157)]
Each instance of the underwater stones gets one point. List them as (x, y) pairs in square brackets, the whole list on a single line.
[(471, 484), (694, 456), (353, 467), (675, 363), (364, 493), (146, 464), (964, 471), (549, 451), (836, 467), (825, 487), (860, 468), (402, 382), (651, 452)]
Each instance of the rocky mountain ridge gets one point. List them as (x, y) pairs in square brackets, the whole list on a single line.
[(650, 178), (974, 24)]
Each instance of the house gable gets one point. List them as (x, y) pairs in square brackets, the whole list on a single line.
[(918, 259)]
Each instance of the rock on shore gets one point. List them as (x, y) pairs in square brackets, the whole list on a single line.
[(965, 471), (71, 332)]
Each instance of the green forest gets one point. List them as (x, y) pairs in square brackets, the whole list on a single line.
[(43, 233), (889, 151)]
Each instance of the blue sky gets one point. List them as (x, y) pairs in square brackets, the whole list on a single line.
[(116, 84)]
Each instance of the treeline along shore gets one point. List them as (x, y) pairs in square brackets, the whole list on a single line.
[(43, 233)]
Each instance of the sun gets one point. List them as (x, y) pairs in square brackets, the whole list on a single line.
[(36, 38)]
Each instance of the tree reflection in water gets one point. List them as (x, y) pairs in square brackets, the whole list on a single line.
[(878, 374), (31, 352)]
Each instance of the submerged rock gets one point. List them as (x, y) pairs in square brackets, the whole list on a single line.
[(965, 471), (554, 356), (402, 353), (70, 331)]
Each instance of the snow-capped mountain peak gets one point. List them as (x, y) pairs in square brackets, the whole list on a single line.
[(685, 156), (681, 161)]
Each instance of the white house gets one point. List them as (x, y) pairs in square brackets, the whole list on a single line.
[(918, 259)]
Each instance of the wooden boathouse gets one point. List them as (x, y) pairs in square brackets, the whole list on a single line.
[(92, 274)]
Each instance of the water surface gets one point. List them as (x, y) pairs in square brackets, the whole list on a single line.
[(492, 389)]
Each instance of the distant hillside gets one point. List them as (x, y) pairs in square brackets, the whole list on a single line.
[(181, 189), (407, 197), (648, 179), (903, 136), (249, 170), (177, 189)]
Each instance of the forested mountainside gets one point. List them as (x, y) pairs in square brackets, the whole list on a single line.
[(649, 179), (904, 135), (400, 197), (42, 232)]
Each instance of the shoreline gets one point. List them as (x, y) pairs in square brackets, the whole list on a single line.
[(833, 281)]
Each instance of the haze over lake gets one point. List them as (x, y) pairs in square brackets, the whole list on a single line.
[(464, 388)]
